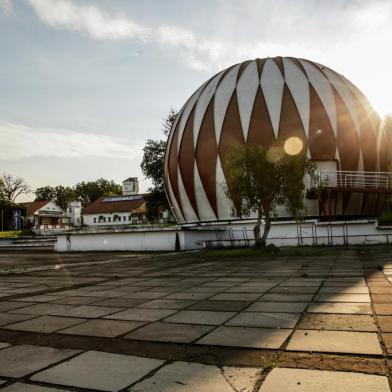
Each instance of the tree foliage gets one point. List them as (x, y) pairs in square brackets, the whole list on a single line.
[(11, 187), (87, 192), (90, 191), (258, 180), (152, 168), (62, 195)]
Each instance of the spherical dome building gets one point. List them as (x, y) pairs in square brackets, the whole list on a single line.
[(260, 102)]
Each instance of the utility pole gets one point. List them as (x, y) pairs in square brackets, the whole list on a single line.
[(2, 220)]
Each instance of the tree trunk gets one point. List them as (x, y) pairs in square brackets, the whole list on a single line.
[(267, 227), (256, 229)]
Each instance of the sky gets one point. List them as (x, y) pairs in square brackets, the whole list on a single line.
[(84, 84)]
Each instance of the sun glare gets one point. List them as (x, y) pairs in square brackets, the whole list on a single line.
[(293, 145)]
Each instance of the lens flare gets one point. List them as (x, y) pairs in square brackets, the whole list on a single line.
[(293, 145)]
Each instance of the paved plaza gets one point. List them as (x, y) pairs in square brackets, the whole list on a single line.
[(197, 321)]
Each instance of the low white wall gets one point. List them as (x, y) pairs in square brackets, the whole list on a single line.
[(281, 234)]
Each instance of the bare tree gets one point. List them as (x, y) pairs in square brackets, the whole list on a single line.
[(12, 187)]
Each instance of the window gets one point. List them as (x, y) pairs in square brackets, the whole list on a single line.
[(109, 219), (95, 220), (124, 218), (129, 217)]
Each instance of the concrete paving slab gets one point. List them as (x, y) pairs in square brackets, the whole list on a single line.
[(383, 309), (43, 309), (280, 307), (200, 317), (340, 307), (21, 387), (294, 290), (246, 337), (89, 311), (286, 298), (337, 322), (141, 314), (77, 300), (45, 324), (19, 361), (190, 296), (146, 295), (194, 377), (122, 302), (361, 298), (103, 328), (385, 323), (236, 297), (167, 304), (335, 342), (303, 380), (170, 332), (220, 306), (344, 290), (40, 298), (91, 370), (11, 305), (265, 320), (11, 318)]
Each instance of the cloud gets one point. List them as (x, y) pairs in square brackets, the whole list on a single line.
[(21, 142), (63, 14), (273, 32), (6, 7)]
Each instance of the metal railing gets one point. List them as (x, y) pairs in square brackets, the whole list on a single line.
[(352, 179)]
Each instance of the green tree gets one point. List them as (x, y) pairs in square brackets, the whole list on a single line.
[(45, 193), (152, 168), (62, 195), (258, 180), (90, 191)]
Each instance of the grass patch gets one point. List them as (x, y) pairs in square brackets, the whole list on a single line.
[(15, 233), (385, 219), (11, 233)]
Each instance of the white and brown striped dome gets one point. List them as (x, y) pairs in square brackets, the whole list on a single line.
[(259, 102)]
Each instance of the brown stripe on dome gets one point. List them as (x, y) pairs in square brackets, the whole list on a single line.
[(186, 160), (290, 124), (321, 139), (260, 132), (231, 134), (347, 137), (299, 65), (279, 62), (173, 166), (384, 152), (260, 64), (368, 140), (242, 68), (207, 154)]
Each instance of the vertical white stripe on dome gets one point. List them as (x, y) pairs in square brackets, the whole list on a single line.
[(202, 103), (206, 212), (187, 209), (224, 204), (324, 91), (177, 211), (222, 98), (272, 84), (298, 85), (187, 108), (346, 95), (247, 86)]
